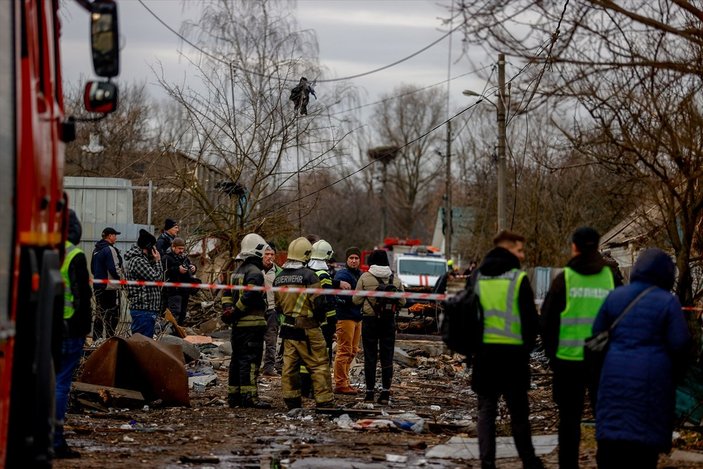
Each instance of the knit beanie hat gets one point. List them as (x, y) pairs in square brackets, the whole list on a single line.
[(169, 223), (146, 240), (352, 250), (75, 231), (178, 242), (378, 257), (586, 239)]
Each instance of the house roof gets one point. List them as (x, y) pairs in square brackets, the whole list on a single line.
[(640, 223)]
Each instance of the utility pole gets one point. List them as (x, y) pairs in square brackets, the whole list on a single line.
[(500, 107), (384, 205), (448, 196), (384, 155)]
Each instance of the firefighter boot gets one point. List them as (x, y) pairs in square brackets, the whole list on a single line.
[(306, 388), (234, 400), (293, 403), (253, 402)]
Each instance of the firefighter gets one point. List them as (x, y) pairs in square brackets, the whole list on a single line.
[(245, 310), (321, 253), (319, 257), (302, 337), (568, 312)]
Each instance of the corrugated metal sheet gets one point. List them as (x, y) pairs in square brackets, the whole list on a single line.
[(541, 279), (103, 202)]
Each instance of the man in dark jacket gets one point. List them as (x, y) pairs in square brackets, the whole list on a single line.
[(106, 263), (568, 312), (143, 262), (501, 365), (77, 318), (348, 324), (177, 268), (245, 310), (170, 231)]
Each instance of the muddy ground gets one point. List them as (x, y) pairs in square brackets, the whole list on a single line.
[(209, 434)]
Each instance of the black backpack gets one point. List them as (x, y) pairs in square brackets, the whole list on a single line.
[(462, 321), (385, 307)]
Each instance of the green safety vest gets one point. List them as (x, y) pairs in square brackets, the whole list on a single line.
[(501, 313), (584, 296), (71, 252)]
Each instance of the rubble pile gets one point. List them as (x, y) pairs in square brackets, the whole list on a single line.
[(431, 421)]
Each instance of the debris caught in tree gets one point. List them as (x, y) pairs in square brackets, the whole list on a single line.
[(300, 95)]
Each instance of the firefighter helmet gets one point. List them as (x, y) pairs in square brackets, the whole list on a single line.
[(299, 250), (253, 245), (322, 250)]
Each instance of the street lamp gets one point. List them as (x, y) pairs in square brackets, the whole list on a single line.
[(500, 108)]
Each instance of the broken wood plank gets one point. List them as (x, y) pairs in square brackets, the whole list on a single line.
[(116, 393), (92, 405)]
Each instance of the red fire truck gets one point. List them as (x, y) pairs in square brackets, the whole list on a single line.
[(33, 208)]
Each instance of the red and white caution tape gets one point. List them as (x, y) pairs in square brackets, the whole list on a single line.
[(318, 291)]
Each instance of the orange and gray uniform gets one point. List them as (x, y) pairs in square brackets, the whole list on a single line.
[(247, 330), (303, 340)]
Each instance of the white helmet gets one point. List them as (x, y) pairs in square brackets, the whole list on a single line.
[(322, 250), (299, 250), (253, 245)]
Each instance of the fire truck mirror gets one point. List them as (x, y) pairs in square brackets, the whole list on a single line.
[(100, 96), (104, 38)]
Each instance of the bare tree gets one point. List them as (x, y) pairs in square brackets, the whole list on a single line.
[(120, 145), (250, 55), (413, 181), (629, 74)]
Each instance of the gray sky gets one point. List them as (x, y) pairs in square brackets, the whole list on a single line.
[(354, 36)]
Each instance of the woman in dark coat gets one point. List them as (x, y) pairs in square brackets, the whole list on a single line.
[(636, 395)]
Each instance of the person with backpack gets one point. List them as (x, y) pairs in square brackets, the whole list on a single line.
[(501, 362), (378, 323)]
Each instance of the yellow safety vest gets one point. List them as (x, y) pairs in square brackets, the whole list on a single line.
[(71, 252), (501, 312), (584, 296)]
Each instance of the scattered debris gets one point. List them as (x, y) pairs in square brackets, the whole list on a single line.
[(459, 447)]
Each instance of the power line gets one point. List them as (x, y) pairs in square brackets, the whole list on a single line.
[(408, 93), (263, 75), (344, 178)]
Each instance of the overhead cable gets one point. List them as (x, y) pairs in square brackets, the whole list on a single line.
[(263, 75)]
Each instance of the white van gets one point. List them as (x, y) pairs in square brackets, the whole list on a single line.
[(419, 272)]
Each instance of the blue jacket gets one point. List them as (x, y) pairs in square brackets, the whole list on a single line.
[(345, 308), (106, 263), (636, 395)]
